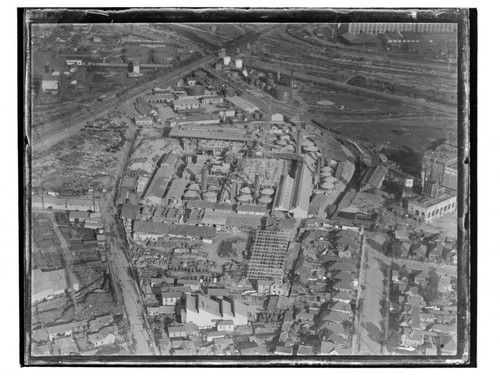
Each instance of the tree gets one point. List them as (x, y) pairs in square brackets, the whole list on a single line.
[(431, 288), (393, 338), (348, 327)]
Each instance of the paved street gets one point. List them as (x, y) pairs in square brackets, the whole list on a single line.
[(119, 264), (371, 334)]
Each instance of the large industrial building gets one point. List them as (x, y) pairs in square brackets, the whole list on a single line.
[(380, 28), (268, 251), (149, 230), (158, 185), (429, 208), (206, 312), (440, 165)]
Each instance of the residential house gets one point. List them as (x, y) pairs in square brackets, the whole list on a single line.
[(105, 336), (334, 316), (185, 330), (342, 307), (444, 285), (143, 121), (264, 286), (282, 350), (342, 297), (99, 322), (421, 277), (65, 329), (225, 325), (412, 338), (194, 285), (170, 298), (65, 346)]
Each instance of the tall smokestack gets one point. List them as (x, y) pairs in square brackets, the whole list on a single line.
[(299, 139), (279, 75), (204, 179), (257, 186)]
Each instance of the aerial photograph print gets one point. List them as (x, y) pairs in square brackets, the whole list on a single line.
[(282, 187)]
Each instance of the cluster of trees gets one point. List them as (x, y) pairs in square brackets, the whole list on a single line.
[(231, 248)]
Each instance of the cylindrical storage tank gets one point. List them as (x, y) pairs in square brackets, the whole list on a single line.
[(329, 179), (196, 90), (307, 143), (282, 93), (213, 188), (311, 149), (265, 200), (211, 196), (325, 174), (163, 55), (326, 169), (238, 63), (194, 186), (226, 60), (327, 186), (245, 198), (246, 190), (142, 54), (267, 192), (190, 195)]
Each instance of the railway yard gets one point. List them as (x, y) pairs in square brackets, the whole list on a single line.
[(241, 189)]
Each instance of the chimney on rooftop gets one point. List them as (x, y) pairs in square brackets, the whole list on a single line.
[(204, 179), (257, 186), (299, 139)]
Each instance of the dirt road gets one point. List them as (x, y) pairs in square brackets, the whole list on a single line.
[(370, 328)]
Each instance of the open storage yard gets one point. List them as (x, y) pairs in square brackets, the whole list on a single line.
[(88, 160)]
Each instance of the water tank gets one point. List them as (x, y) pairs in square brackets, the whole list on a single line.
[(196, 90), (238, 63), (226, 60), (265, 200), (138, 52), (211, 196), (267, 192), (190, 195), (245, 198), (311, 149), (246, 190), (282, 93), (329, 179), (327, 186), (163, 55)]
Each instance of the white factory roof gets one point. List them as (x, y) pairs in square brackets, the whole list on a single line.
[(285, 192), (242, 103)]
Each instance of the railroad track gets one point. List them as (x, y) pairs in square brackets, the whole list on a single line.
[(44, 132)]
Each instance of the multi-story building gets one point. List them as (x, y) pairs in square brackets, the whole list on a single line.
[(429, 208), (440, 165)]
